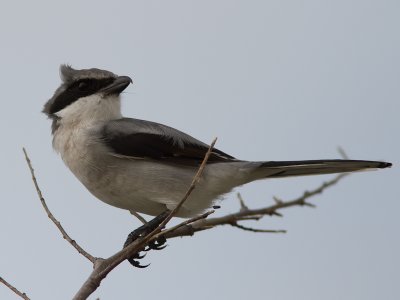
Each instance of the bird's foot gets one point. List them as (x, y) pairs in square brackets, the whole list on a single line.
[(157, 244), (142, 231)]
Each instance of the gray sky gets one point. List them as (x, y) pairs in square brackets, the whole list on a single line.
[(274, 80)]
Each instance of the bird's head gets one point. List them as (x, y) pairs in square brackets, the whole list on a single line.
[(86, 95)]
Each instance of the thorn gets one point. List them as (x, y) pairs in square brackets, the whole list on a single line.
[(243, 206), (309, 204), (277, 200), (275, 213), (342, 153)]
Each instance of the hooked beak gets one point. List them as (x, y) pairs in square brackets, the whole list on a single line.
[(119, 84)]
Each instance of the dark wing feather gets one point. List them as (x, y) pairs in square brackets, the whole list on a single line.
[(145, 139)]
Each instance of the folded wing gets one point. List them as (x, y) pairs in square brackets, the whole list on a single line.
[(144, 139)]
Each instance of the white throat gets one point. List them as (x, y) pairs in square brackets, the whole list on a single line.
[(91, 109), (74, 133)]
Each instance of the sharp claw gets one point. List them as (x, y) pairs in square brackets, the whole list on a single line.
[(133, 262), (159, 244), (159, 247), (138, 256), (146, 228), (142, 266), (137, 264), (162, 247), (150, 246), (153, 245)]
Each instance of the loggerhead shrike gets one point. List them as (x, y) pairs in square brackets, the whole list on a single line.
[(144, 166)]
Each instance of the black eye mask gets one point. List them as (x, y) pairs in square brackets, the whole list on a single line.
[(78, 89)]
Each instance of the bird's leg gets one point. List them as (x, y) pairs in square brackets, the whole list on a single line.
[(143, 231), (139, 217)]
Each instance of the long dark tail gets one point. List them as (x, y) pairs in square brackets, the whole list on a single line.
[(276, 169)]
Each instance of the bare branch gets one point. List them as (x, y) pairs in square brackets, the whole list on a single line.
[(14, 289), (184, 223), (234, 224), (51, 216), (272, 210)]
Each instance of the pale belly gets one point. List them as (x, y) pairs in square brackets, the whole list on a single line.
[(144, 186), (149, 187)]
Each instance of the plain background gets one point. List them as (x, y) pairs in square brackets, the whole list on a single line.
[(274, 80)]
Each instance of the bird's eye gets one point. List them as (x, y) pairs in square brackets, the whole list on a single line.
[(83, 86)]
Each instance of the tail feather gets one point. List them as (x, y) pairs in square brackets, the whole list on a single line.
[(276, 169)]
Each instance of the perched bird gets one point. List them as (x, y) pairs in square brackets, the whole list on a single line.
[(146, 167)]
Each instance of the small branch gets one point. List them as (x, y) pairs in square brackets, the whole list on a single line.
[(256, 214), (234, 224), (184, 223), (50, 215), (14, 289)]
